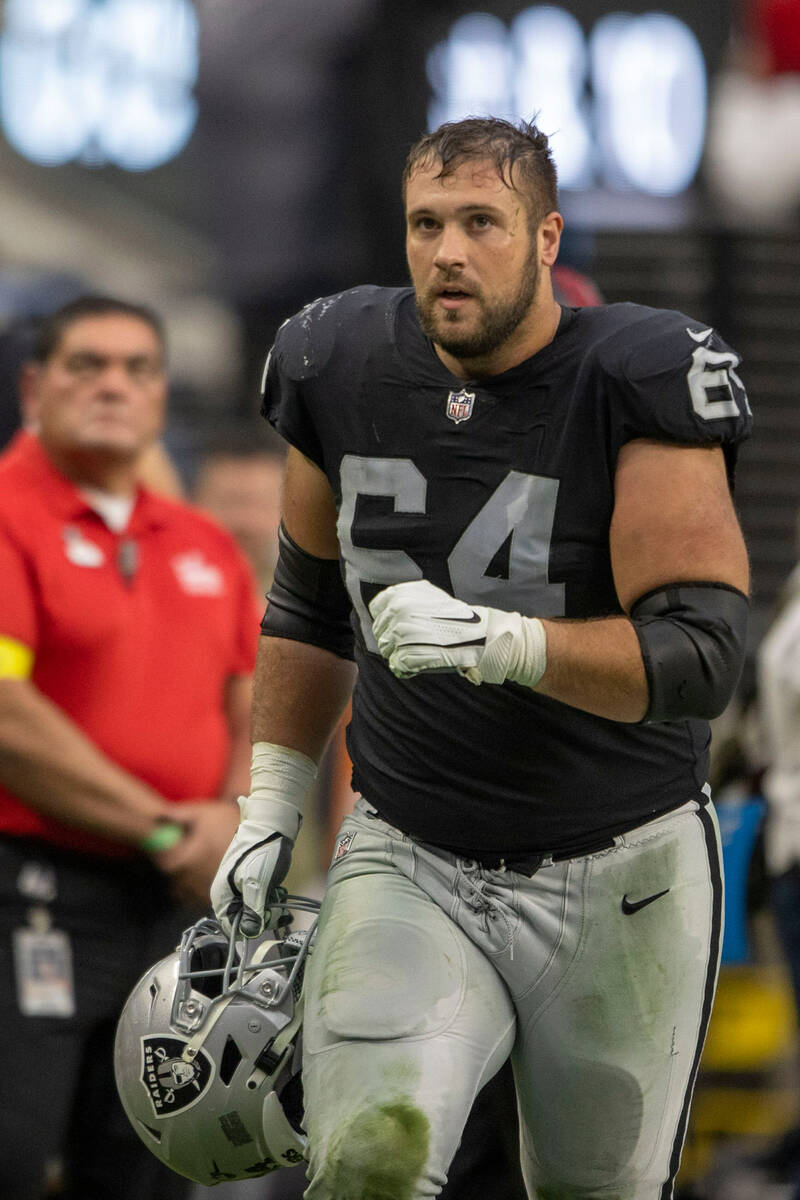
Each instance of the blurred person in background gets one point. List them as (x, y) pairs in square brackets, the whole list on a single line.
[(770, 46), (16, 346), (127, 641), (779, 723), (155, 468), (238, 481), (752, 154)]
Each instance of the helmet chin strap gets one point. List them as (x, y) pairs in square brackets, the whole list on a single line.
[(216, 1009), (261, 951), (280, 1049)]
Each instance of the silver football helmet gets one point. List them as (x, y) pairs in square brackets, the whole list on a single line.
[(207, 1052)]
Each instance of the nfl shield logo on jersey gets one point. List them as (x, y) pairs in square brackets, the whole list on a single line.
[(343, 845), (459, 405)]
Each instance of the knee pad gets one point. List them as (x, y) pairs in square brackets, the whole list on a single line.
[(383, 979)]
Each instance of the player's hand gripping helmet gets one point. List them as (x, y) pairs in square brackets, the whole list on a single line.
[(207, 1053)]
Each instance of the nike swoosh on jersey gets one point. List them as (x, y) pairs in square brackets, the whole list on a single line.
[(632, 906), (699, 335)]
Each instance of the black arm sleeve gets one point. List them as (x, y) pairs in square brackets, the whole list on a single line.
[(308, 601), (692, 637)]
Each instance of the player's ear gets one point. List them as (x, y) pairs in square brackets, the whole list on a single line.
[(27, 384), (549, 234)]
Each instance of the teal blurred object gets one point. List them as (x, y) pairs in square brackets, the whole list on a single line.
[(741, 815)]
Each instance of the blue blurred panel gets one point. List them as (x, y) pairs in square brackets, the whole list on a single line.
[(740, 819)]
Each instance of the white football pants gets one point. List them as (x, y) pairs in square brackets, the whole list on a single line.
[(596, 975)]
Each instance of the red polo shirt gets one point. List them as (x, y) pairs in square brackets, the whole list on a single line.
[(134, 635)]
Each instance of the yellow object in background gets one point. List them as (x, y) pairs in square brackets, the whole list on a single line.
[(16, 659), (753, 1023), (746, 1093)]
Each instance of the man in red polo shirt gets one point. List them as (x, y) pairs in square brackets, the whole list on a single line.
[(127, 639)]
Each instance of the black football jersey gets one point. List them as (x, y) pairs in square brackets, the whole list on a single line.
[(501, 491)]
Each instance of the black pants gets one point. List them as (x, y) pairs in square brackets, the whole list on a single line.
[(486, 1165), (58, 1099)]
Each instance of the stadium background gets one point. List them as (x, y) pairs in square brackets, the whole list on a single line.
[(290, 120)]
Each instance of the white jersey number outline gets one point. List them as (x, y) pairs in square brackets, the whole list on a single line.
[(713, 371), (519, 511)]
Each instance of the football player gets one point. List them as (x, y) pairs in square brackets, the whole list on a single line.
[(517, 517)]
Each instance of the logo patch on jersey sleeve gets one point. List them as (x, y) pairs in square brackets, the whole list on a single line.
[(171, 1083), (460, 405)]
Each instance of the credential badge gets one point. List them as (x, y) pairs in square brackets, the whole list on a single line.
[(460, 405)]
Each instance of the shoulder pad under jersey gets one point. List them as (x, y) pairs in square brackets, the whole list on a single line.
[(306, 341), (339, 329)]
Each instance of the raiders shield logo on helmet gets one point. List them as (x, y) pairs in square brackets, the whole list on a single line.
[(460, 405), (172, 1083)]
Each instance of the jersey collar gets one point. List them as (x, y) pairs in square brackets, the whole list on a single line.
[(65, 497)]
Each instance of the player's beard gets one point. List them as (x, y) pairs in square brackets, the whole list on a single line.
[(500, 319)]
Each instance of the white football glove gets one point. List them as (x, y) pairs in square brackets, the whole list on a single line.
[(258, 858), (420, 627)]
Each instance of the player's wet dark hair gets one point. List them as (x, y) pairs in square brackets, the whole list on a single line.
[(54, 326), (521, 154)]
